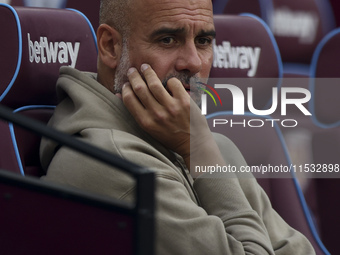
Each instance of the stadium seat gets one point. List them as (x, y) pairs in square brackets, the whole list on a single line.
[(263, 145), (325, 83), (243, 49), (37, 43), (324, 86), (298, 26), (250, 33)]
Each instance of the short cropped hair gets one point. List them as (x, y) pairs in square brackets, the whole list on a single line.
[(116, 13)]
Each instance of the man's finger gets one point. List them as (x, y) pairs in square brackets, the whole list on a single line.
[(177, 89), (140, 88), (155, 85), (131, 101)]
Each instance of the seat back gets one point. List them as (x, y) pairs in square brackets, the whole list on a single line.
[(259, 139), (326, 151), (324, 84), (243, 48), (37, 43), (324, 105), (298, 26), (262, 145), (89, 8)]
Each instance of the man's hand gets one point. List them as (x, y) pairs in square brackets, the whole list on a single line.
[(165, 115)]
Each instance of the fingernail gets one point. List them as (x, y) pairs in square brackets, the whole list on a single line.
[(131, 70), (144, 67)]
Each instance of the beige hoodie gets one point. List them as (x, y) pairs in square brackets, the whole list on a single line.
[(202, 216)]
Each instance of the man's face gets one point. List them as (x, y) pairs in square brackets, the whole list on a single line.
[(173, 36)]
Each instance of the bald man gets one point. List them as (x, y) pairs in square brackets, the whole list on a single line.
[(140, 106)]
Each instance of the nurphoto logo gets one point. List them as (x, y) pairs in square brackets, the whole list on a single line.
[(241, 99)]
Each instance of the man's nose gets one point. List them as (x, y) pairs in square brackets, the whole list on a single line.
[(188, 59)]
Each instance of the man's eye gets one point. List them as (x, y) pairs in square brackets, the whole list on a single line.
[(203, 41), (167, 40)]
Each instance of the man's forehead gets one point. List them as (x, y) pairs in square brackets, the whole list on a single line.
[(172, 7), (154, 12), (192, 3)]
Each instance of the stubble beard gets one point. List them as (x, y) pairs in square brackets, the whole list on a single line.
[(123, 67)]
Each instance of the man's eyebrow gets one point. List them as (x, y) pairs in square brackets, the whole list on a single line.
[(174, 31), (166, 30), (211, 33)]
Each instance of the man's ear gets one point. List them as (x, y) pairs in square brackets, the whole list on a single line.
[(109, 43)]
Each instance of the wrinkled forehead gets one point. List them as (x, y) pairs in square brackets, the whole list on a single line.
[(153, 12)]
